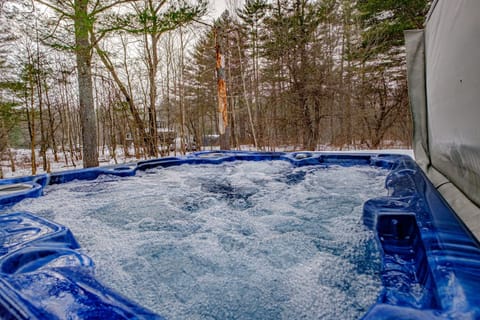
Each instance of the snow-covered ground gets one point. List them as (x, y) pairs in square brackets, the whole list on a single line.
[(23, 166)]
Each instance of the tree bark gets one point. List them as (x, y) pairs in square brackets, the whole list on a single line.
[(152, 94), (223, 127), (83, 52)]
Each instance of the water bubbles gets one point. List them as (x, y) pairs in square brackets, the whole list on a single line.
[(241, 240)]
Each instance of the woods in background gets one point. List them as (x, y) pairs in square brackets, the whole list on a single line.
[(82, 76)]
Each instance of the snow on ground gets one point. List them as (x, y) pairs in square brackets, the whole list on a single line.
[(23, 159)]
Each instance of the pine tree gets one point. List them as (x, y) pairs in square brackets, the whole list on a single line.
[(9, 84), (383, 82), (385, 20), (251, 18), (201, 89)]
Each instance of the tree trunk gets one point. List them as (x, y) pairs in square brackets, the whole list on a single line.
[(245, 96), (51, 125), (31, 127), (152, 76), (83, 53), (11, 157), (43, 140), (222, 98)]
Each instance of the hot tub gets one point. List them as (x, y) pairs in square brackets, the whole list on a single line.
[(428, 263)]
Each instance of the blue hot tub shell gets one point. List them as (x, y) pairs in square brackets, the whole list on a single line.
[(430, 261)]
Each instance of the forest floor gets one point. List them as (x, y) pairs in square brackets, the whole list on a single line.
[(23, 163)]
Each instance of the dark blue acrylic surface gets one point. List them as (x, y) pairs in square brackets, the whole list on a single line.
[(430, 261)]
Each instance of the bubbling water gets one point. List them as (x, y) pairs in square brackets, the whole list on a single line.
[(241, 240)]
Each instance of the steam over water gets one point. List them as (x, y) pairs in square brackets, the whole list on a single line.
[(241, 240)]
